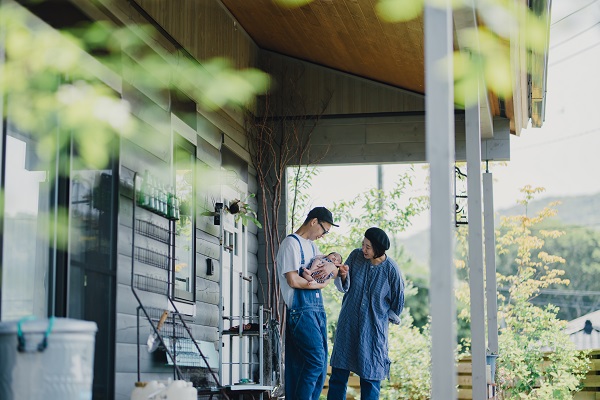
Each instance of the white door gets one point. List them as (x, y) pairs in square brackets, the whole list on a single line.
[(235, 294)]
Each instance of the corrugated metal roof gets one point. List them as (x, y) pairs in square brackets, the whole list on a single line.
[(585, 338)]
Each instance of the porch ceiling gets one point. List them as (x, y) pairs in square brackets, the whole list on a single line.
[(346, 35), (349, 36)]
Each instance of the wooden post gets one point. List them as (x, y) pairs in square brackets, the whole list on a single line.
[(439, 121), (475, 263)]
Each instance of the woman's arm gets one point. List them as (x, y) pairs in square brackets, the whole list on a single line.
[(397, 291)]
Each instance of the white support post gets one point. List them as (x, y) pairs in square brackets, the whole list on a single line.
[(439, 122), (475, 263), (491, 288)]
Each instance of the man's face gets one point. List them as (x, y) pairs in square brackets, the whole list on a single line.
[(321, 228)]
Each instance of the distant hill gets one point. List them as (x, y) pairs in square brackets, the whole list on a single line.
[(573, 210)]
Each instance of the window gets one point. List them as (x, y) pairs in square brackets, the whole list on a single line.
[(25, 240), (184, 274)]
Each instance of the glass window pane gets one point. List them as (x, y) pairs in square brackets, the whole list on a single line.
[(25, 251), (184, 164)]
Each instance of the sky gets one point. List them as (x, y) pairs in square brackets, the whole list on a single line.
[(563, 156)]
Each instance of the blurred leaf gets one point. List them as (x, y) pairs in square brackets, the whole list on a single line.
[(536, 35), (399, 10), (498, 75), (292, 3)]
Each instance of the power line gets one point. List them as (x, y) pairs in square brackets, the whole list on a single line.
[(576, 135), (574, 36), (575, 54), (576, 11)]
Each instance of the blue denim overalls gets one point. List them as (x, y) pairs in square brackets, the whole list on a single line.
[(305, 343)]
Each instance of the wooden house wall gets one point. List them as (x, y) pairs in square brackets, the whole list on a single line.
[(151, 150), (302, 88)]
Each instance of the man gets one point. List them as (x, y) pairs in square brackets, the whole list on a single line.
[(306, 331)]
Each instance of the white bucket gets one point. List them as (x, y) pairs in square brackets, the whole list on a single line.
[(155, 390), (181, 390), (146, 391), (47, 359)]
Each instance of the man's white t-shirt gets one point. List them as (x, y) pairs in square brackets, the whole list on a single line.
[(288, 260)]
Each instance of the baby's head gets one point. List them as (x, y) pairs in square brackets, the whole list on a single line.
[(334, 257)]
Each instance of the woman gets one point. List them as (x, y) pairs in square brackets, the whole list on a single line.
[(374, 291)]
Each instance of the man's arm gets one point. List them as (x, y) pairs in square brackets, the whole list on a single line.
[(297, 282)]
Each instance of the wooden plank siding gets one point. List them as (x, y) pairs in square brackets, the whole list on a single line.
[(313, 84), (151, 150), (591, 384)]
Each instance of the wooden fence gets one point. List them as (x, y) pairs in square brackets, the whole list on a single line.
[(590, 391)]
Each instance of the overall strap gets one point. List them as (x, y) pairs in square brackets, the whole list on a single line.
[(301, 251)]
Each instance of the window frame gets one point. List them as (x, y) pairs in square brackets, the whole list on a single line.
[(181, 142)]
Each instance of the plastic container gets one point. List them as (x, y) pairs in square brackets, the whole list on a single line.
[(490, 360), (147, 390), (181, 390), (47, 359), (155, 390)]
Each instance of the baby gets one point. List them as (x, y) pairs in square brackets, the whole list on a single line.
[(333, 257)]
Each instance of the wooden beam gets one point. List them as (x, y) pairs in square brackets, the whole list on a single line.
[(392, 139)]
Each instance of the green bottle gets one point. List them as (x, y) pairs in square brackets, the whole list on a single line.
[(142, 199)]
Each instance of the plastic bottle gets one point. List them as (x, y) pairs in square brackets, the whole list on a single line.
[(147, 390), (143, 191)]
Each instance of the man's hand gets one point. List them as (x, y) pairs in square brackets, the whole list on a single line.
[(323, 271)]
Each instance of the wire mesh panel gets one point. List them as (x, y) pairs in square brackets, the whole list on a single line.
[(152, 230), (152, 257), (151, 284)]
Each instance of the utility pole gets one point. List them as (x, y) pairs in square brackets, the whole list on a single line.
[(380, 186)]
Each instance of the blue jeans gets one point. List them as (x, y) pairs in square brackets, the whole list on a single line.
[(305, 346), (338, 382)]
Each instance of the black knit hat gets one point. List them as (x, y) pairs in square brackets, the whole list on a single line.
[(322, 214), (378, 238)]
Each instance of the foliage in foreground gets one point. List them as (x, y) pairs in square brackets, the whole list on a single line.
[(410, 352), (51, 82), (537, 360)]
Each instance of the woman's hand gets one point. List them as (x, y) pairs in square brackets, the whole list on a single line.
[(343, 271)]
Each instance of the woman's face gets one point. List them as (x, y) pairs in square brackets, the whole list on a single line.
[(367, 249)]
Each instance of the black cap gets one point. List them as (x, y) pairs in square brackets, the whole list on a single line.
[(378, 238), (322, 214)]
